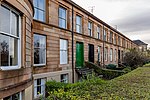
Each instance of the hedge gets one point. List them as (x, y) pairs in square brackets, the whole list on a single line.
[(107, 73)]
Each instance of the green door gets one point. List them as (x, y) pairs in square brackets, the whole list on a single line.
[(79, 55)]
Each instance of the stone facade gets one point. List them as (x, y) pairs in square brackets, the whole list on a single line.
[(50, 28), (19, 80)]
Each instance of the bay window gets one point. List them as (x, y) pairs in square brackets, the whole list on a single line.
[(10, 25)]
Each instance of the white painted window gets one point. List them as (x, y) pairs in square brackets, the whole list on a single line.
[(90, 28), (62, 17), (115, 42), (10, 37), (111, 54), (98, 32), (39, 8), (17, 96), (78, 24), (106, 54), (119, 40), (111, 37), (99, 53), (105, 35), (39, 87), (64, 78), (63, 51), (39, 50)]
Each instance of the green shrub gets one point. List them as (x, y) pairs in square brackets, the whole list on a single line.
[(111, 66), (146, 65), (107, 73), (131, 86), (53, 85), (135, 58), (127, 69)]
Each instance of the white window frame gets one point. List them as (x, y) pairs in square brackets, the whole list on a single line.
[(90, 28), (66, 79), (111, 54), (98, 32), (66, 50), (20, 96), (78, 24), (105, 35), (111, 37), (106, 54), (115, 40), (99, 54), (60, 18), (45, 51), (44, 11), (10, 35), (42, 85)]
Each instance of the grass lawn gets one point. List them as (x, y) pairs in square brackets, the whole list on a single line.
[(132, 86)]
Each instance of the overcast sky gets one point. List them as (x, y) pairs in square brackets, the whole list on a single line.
[(132, 17)]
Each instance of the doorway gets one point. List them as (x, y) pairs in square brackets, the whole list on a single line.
[(91, 53), (79, 55)]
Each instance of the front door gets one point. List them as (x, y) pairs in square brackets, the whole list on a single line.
[(79, 55), (91, 53), (118, 56)]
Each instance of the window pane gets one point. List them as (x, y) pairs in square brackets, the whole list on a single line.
[(41, 15), (43, 87), (5, 20), (63, 51), (78, 20), (36, 13), (39, 7), (41, 4), (13, 54), (39, 49), (62, 13), (35, 2), (39, 41), (14, 25), (64, 78), (78, 28), (62, 23), (39, 56), (4, 50)]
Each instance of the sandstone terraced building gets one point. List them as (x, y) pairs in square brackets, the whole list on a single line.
[(44, 40)]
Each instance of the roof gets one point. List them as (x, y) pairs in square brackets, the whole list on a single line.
[(139, 42)]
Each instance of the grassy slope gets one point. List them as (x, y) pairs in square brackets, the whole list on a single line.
[(132, 86)]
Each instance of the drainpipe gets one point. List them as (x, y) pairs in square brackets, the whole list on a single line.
[(103, 49), (72, 44)]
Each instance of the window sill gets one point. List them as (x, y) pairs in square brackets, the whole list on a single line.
[(8, 68), (39, 65)]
